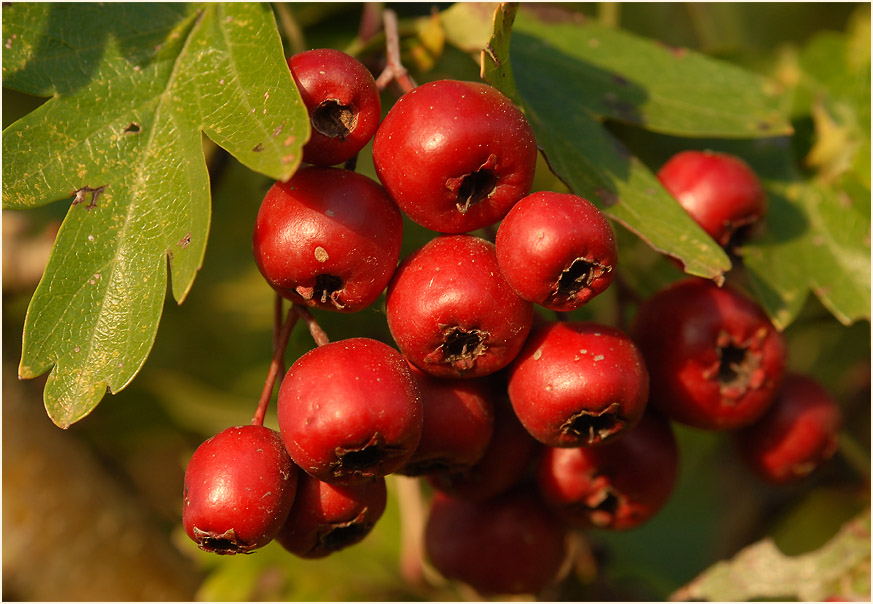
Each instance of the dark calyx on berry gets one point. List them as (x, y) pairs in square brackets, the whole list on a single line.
[(333, 119), (575, 278), (365, 461), (739, 366), (597, 426), (472, 188), (460, 348), (327, 287)]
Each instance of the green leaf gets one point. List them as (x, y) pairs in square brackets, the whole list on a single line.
[(818, 230), (586, 156), (133, 87), (762, 571), (617, 75)]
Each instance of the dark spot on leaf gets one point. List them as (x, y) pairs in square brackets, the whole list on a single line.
[(764, 126), (184, 241), (81, 194), (617, 79), (133, 128), (258, 148)]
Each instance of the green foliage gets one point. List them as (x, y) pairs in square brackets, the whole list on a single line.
[(133, 86)]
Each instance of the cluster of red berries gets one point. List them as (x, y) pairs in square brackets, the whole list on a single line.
[(523, 427)]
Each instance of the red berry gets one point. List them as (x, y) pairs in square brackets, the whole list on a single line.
[(720, 192), (328, 238), (350, 411), (796, 435), (455, 156), (715, 360), (557, 250), (327, 518), (504, 464), (239, 487), (578, 384), (451, 311), (458, 423), (619, 485), (343, 103), (507, 545)]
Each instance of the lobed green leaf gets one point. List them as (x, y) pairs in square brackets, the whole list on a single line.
[(133, 87)]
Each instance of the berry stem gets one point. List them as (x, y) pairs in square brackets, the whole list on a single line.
[(413, 517), (318, 334), (394, 70), (290, 27), (280, 342)]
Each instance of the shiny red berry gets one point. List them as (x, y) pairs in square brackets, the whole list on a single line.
[(239, 487), (557, 249), (452, 312), (328, 238), (720, 192), (350, 411), (343, 102), (714, 357), (510, 544), (504, 464), (578, 383), (455, 156), (617, 486), (796, 435), (458, 423), (327, 518)]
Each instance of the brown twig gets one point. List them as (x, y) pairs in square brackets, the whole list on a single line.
[(293, 32), (276, 366), (394, 70), (318, 334)]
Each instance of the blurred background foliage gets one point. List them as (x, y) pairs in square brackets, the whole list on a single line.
[(93, 513)]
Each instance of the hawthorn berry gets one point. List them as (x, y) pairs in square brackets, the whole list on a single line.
[(239, 488), (714, 358), (326, 518), (578, 383), (454, 155), (350, 411), (718, 190), (343, 102), (457, 427), (510, 544), (556, 249), (328, 238), (619, 485), (504, 464), (796, 435), (451, 311)]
